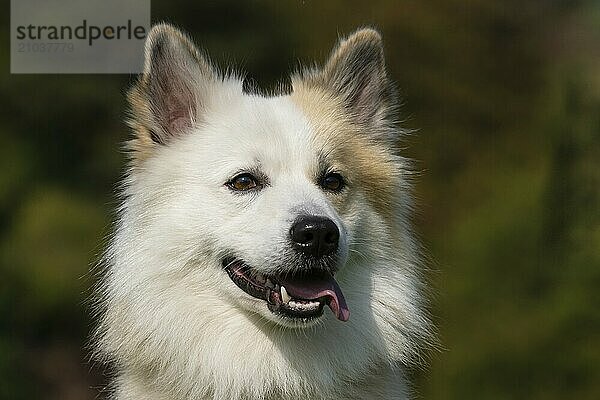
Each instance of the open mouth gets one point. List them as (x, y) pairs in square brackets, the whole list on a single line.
[(296, 296)]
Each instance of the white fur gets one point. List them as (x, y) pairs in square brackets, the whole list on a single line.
[(176, 327)]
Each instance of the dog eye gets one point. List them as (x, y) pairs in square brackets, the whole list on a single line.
[(243, 182), (333, 182)]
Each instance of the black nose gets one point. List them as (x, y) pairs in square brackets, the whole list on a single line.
[(315, 236)]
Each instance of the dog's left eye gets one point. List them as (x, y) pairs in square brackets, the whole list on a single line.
[(243, 182), (333, 182)]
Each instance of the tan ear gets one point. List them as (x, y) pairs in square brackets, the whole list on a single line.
[(355, 70), (168, 97)]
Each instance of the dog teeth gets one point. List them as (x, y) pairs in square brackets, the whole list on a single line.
[(285, 297), (299, 305), (303, 305)]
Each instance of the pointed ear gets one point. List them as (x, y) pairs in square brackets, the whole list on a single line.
[(356, 71), (170, 94)]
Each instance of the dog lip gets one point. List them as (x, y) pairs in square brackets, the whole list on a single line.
[(307, 288), (241, 275)]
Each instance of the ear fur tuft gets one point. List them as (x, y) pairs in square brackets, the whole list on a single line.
[(167, 99), (355, 71)]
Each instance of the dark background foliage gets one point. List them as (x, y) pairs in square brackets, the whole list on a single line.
[(506, 99)]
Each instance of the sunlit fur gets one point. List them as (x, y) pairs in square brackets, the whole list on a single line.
[(173, 325)]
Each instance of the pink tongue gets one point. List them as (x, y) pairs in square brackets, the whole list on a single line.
[(312, 288)]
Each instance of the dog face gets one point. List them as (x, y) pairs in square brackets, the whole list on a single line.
[(268, 203), (246, 215)]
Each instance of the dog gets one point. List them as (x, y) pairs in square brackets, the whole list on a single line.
[(263, 247)]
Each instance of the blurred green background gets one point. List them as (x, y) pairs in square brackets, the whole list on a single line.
[(506, 99)]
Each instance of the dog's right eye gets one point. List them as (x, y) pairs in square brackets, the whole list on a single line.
[(243, 182)]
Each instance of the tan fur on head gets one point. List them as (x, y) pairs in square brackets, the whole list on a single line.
[(337, 130), (350, 102)]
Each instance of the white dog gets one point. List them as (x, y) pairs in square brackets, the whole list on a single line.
[(263, 247)]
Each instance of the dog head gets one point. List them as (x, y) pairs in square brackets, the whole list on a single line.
[(275, 186)]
